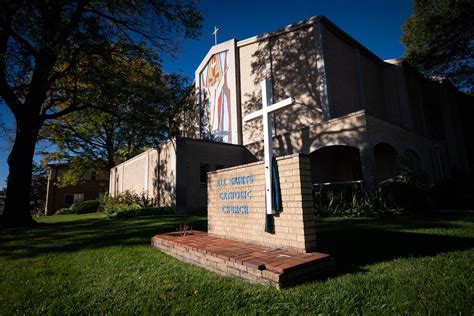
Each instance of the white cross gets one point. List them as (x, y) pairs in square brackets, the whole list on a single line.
[(216, 29), (267, 109)]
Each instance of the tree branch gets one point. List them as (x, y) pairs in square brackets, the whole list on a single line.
[(127, 24), (6, 92), (71, 109), (74, 21), (20, 39)]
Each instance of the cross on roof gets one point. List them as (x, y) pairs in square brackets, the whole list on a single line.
[(265, 111), (216, 29)]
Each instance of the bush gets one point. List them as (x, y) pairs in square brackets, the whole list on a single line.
[(64, 211), (403, 196), (85, 207), (347, 200), (456, 192), (127, 203), (130, 198)]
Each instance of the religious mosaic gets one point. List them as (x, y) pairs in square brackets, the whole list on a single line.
[(216, 100)]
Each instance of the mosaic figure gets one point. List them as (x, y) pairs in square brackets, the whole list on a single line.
[(216, 99)]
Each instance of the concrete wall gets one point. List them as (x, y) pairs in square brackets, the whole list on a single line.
[(152, 173), (251, 74), (171, 174), (163, 175), (192, 154), (433, 155), (348, 130), (391, 95), (338, 84), (332, 76), (341, 67), (307, 61), (293, 227), (289, 58)]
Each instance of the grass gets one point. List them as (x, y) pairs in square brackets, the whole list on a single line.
[(89, 264)]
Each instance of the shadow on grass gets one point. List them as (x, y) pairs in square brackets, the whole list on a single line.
[(353, 242), (79, 234), (356, 243)]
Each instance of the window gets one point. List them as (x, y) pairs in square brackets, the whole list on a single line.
[(70, 199), (78, 198), (203, 169), (93, 176)]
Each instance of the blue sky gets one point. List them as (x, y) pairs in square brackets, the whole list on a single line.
[(374, 23)]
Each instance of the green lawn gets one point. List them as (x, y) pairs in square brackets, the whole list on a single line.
[(89, 264)]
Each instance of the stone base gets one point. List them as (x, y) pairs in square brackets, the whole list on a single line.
[(277, 267)]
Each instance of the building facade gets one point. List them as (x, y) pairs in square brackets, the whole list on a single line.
[(58, 197), (175, 173), (355, 115)]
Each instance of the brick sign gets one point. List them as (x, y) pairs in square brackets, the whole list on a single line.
[(236, 204)]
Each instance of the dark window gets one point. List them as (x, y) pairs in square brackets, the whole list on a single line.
[(68, 199), (93, 175), (203, 169)]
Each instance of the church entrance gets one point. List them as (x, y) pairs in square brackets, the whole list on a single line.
[(335, 164)]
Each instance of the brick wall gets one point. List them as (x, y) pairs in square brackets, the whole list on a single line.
[(236, 204)]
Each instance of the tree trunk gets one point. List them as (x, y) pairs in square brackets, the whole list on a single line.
[(20, 163)]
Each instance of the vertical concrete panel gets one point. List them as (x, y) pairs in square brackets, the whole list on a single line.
[(341, 61), (253, 59), (372, 86), (391, 98), (134, 175)]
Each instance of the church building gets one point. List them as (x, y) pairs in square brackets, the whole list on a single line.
[(354, 114)]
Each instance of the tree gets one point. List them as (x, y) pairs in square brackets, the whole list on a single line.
[(51, 54), (39, 181), (439, 39), (143, 110)]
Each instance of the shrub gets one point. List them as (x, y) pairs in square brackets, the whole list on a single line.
[(403, 196), (130, 198), (127, 203), (64, 211), (85, 207), (347, 200), (456, 192)]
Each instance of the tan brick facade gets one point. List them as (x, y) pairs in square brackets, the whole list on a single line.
[(236, 204)]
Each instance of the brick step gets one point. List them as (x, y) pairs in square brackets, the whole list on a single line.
[(277, 267)]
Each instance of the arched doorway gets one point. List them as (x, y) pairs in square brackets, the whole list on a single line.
[(335, 164), (411, 159), (385, 157)]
